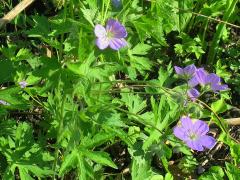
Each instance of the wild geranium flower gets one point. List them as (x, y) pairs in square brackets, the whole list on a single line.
[(193, 94), (23, 84), (186, 72), (113, 35), (203, 78), (194, 134), (2, 102)]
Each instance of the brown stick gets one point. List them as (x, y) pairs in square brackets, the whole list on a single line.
[(15, 11), (233, 121)]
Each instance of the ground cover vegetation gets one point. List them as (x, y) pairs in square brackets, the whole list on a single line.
[(120, 89)]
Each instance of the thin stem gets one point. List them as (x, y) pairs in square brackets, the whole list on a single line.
[(218, 118), (209, 18)]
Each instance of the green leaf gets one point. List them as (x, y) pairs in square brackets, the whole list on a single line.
[(36, 170), (23, 54), (85, 171), (24, 174), (89, 15), (152, 139), (140, 49), (232, 171), (168, 176), (99, 157), (141, 169), (7, 71), (41, 27), (157, 177), (9, 51), (150, 27), (97, 140), (138, 61), (219, 106), (166, 9), (83, 68), (235, 151), (7, 127), (215, 173), (134, 103), (197, 50), (69, 161), (164, 75), (13, 98), (188, 164)]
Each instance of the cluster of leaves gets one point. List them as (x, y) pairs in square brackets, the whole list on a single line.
[(80, 102)]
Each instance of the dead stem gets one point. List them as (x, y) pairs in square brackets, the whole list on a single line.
[(15, 11)]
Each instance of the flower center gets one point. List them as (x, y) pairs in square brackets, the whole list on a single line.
[(110, 34), (193, 136)]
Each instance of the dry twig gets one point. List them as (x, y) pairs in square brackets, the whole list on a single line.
[(233, 121), (15, 11)]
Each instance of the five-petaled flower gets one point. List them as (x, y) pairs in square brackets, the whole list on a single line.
[(113, 35), (194, 134), (205, 79)]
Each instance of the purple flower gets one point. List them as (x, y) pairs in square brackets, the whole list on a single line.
[(193, 94), (194, 134), (203, 78), (113, 35), (215, 82), (4, 103), (23, 84), (186, 72)]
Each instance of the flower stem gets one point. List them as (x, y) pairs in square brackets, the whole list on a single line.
[(219, 120)]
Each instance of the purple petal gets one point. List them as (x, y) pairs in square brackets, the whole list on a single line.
[(178, 70), (213, 79), (193, 82), (193, 94), (219, 87), (180, 133), (100, 31), (190, 70), (116, 43), (115, 27), (201, 76), (195, 145), (200, 127), (186, 123), (23, 84), (102, 43), (207, 141)]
